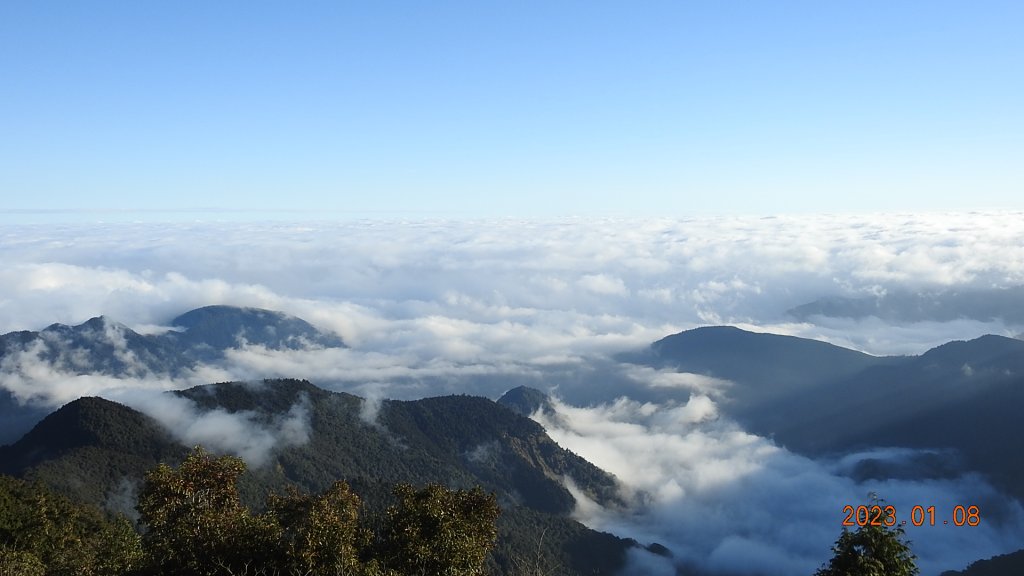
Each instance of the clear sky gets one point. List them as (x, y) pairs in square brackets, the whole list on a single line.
[(526, 108)]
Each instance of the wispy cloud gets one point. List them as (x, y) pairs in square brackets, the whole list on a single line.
[(244, 434), (731, 502)]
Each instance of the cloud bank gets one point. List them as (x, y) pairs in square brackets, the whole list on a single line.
[(433, 307), (440, 286), (728, 502), (443, 303)]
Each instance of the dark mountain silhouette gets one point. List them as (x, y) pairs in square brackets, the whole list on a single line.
[(961, 395), (816, 398), (1004, 565), (210, 330), (734, 354), (525, 401), (98, 346), (960, 401), (762, 367), (88, 447), (91, 448)]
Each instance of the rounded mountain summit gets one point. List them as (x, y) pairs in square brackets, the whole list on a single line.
[(219, 327)]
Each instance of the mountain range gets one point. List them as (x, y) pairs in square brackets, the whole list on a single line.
[(819, 399), (97, 451), (105, 347), (959, 402)]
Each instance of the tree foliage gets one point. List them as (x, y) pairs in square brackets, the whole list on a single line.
[(871, 550), (87, 449), (319, 534), (42, 533), (439, 531), (195, 521), (196, 524)]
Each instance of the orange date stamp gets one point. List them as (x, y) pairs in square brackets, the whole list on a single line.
[(876, 515)]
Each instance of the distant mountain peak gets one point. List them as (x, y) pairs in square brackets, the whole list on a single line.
[(95, 323), (526, 401), (769, 360), (103, 346), (215, 312), (212, 329), (1006, 351), (87, 421)]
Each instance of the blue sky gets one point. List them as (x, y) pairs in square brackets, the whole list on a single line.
[(511, 108)]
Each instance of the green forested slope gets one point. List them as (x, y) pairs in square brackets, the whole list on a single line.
[(92, 448)]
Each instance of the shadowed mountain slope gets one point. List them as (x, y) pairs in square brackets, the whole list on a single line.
[(763, 367), (525, 401), (210, 330), (1004, 565), (91, 448), (816, 398), (88, 447)]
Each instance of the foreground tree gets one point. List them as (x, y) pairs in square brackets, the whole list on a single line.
[(319, 534), (196, 523), (439, 531), (871, 550), (43, 533), (14, 562)]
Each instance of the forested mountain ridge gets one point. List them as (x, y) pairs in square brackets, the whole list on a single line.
[(816, 398), (960, 402), (92, 449), (88, 448), (764, 366), (103, 346)]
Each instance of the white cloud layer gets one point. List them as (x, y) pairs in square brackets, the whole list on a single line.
[(482, 287), (733, 503), (431, 307)]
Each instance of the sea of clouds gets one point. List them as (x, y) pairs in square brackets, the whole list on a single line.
[(729, 502), (438, 306)]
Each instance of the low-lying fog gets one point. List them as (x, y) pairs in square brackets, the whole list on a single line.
[(434, 307)]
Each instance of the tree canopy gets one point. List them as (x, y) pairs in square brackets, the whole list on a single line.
[(195, 524), (873, 549), (45, 534)]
